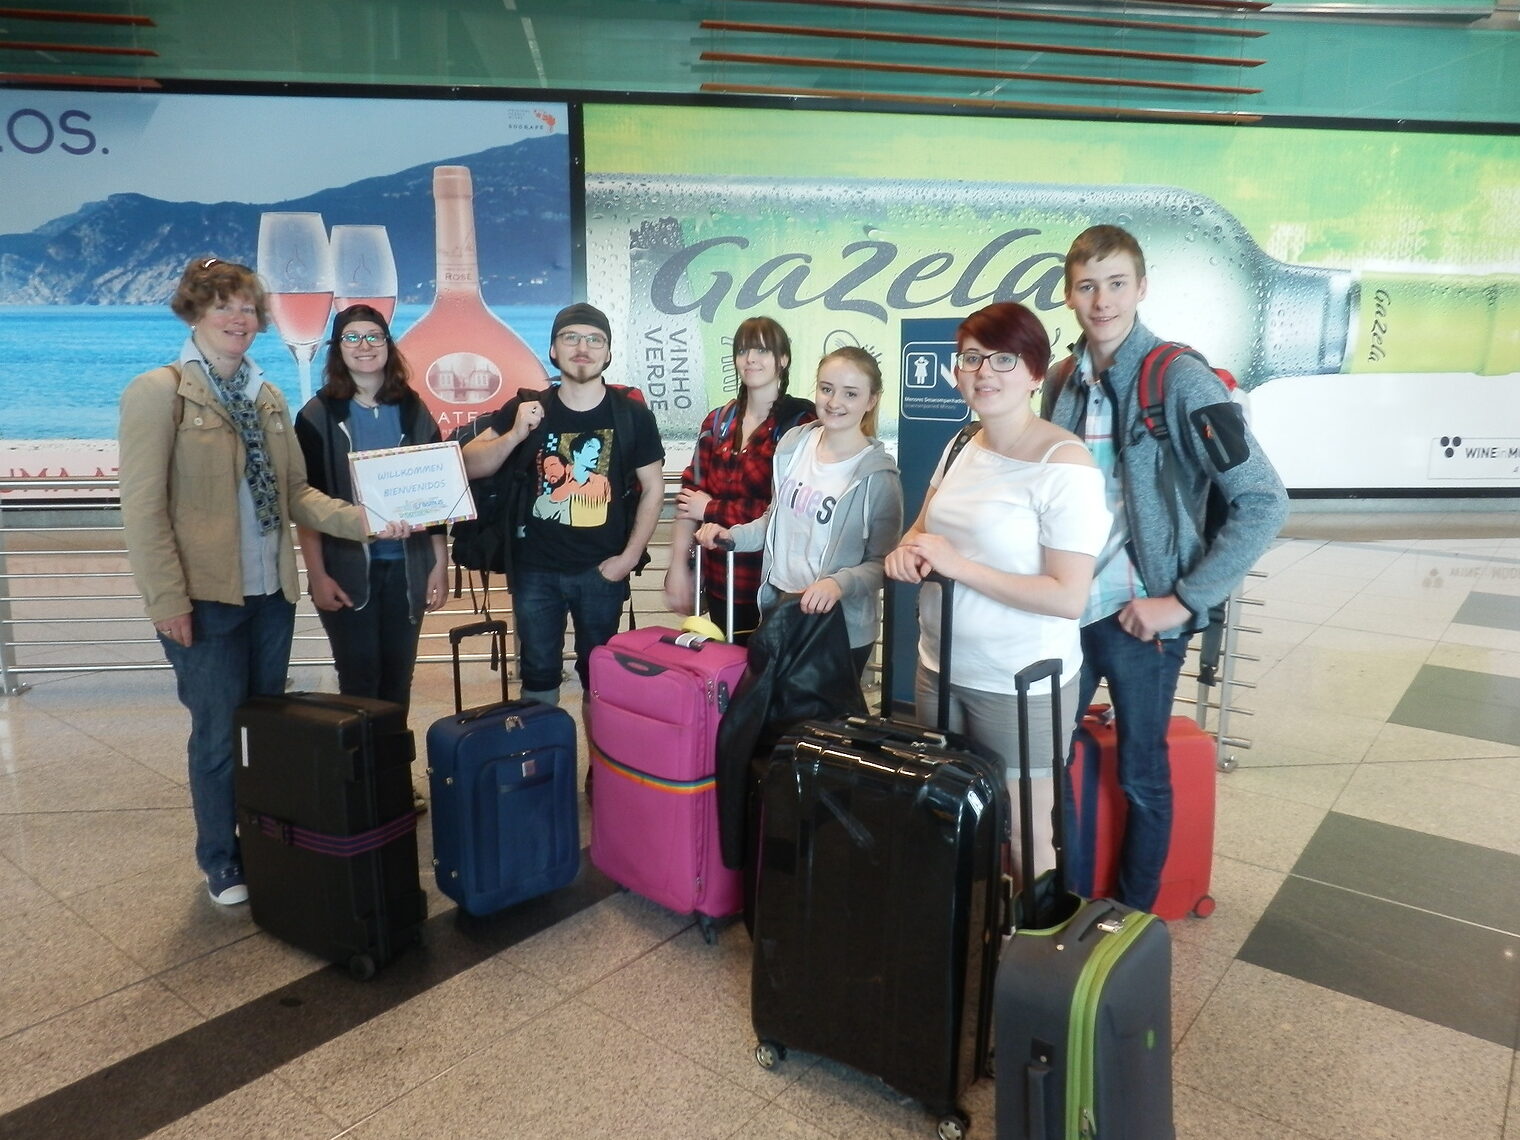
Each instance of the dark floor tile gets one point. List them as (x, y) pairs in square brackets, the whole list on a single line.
[(1451, 973), (1497, 611), (1458, 880), (1484, 706)]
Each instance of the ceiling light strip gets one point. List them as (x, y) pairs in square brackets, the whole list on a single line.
[(986, 104), (1031, 17), (86, 49), (1211, 5), (32, 80), (76, 17), (962, 42), (970, 72)]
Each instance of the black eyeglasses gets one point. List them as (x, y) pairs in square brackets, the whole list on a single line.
[(371, 338), (1000, 361)]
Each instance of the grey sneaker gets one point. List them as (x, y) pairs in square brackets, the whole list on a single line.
[(227, 887)]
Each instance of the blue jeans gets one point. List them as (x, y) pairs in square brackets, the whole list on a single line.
[(375, 648), (541, 599), (235, 652), (1142, 682)]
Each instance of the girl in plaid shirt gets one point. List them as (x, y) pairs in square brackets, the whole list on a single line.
[(729, 479)]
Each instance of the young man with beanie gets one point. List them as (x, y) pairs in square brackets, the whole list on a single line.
[(588, 471), (1162, 569)]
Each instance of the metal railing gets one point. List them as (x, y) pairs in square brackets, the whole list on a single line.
[(68, 603)]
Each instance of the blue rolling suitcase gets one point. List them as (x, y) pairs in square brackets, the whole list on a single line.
[(1083, 1005), (506, 824)]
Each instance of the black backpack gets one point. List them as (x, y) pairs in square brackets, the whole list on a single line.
[(480, 543)]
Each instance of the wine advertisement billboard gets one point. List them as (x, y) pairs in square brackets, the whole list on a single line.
[(452, 215), (1362, 285)]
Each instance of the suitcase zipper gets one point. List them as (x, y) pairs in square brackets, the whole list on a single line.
[(1118, 935)]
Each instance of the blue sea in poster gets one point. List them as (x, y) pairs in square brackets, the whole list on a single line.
[(62, 367)]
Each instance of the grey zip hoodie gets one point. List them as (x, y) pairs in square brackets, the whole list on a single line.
[(868, 521), (1211, 444)]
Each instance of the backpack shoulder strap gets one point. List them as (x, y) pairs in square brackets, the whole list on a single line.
[(725, 422), (958, 444), (1054, 381), (1151, 390), (783, 426)]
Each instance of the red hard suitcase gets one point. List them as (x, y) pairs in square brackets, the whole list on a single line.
[(1102, 809)]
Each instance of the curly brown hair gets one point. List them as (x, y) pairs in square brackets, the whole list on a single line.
[(207, 280)]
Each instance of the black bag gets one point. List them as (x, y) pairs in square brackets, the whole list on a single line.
[(480, 543)]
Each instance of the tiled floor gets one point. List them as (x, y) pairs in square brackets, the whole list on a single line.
[(1361, 976)]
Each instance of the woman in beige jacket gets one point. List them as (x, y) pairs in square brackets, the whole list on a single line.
[(211, 479)]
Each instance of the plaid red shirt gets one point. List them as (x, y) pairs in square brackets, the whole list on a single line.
[(739, 481)]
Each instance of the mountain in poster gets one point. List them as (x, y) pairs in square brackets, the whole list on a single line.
[(129, 249)]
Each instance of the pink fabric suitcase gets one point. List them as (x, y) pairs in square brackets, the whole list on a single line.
[(656, 697)]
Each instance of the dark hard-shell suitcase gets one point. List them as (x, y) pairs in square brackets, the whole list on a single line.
[(502, 779), (1084, 1017), (327, 826), (1102, 810), (880, 903)]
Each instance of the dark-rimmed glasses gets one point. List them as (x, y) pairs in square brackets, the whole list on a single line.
[(1000, 361)]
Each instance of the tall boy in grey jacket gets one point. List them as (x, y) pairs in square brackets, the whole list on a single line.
[(1158, 575)]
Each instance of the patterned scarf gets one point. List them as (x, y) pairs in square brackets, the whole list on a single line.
[(256, 468)]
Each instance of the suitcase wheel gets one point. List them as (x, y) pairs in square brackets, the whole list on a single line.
[(361, 967), (953, 1126), (710, 935), (1204, 907), (769, 1054)]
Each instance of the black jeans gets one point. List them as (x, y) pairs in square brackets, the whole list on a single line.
[(375, 648)]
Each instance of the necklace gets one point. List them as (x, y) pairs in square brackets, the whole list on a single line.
[(1013, 444), (374, 408)]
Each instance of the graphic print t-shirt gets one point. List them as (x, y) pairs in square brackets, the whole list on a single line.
[(806, 498), (579, 515)]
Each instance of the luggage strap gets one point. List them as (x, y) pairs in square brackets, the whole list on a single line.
[(658, 783), (342, 846)]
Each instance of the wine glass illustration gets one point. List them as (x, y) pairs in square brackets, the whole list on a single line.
[(364, 271), (296, 264)]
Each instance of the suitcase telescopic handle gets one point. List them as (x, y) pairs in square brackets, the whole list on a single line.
[(498, 631), (946, 630), (726, 544), (1023, 681)]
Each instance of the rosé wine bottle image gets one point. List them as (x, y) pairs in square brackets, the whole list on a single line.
[(464, 359)]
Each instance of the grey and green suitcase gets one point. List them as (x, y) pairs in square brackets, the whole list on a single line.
[(1083, 1019)]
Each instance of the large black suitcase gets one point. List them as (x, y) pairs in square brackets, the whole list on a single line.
[(880, 903), (1084, 1023), (327, 825)]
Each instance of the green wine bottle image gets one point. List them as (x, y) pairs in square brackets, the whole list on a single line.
[(849, 258)]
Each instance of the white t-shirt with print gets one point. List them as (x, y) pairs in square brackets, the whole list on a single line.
[(1002, 513), (803, 514)]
